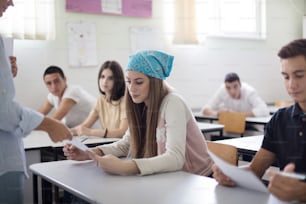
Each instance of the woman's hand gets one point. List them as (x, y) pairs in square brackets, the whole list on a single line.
[(221, 177), (73, 153), (80, 130), (114, 165)]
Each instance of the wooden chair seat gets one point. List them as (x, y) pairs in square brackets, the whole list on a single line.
[(226, 152), (233, 122), (281, 104)]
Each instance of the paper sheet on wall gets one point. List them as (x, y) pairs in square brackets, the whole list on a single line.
[(242, 177), (82, 44), (112, 6), (145, 37)]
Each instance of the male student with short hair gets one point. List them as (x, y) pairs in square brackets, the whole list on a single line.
[(285, 135)]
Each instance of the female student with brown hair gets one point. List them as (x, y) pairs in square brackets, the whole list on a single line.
[(164, 135), (110, 107)]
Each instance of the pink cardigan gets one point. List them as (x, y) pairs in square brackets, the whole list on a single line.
[(181, 144)]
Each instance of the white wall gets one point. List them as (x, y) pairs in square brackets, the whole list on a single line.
[(198, 70)]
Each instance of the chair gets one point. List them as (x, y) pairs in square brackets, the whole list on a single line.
[(282, 103), (233, 122), (226, 152)]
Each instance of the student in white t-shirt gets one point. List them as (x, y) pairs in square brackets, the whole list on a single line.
[(236, 96), (72, 103)]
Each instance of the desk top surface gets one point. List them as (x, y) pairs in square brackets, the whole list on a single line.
[(165, 188), (252, 143), (40, 139), (255, 120), (210, 126)]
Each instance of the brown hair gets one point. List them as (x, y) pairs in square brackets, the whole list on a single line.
[(119, 83), (293, 49), (143, 120)]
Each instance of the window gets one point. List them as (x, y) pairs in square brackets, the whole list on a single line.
[(217, 18), (231, 18), (29, 19)]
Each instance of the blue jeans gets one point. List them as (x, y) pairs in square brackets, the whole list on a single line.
[(12, 187)]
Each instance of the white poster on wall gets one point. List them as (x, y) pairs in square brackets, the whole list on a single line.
[(144, 38), (82, 44)]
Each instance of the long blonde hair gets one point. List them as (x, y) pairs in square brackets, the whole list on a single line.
[(143, 120)]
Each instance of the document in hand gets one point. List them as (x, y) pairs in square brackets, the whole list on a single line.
[(79, 144), (243, 178)]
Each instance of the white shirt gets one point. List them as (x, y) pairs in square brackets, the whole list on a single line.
[(249, 101), (79, 112)]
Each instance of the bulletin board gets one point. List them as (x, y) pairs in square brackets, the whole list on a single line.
[(133, 8)]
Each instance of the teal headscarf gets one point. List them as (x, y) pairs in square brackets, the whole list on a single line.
[(152, 63)]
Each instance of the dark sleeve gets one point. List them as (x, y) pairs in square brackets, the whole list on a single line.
[(269, 134)]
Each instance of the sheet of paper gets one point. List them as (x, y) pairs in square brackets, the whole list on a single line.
[(79, 144), (242, 177)]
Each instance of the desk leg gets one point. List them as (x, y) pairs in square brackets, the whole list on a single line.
[(56, 194), (35, 189)]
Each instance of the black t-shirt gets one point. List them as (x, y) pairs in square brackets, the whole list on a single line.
[(285, 136)]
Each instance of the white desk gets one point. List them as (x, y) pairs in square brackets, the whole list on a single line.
[(37, 143), (248, 120), (166, 188), (245, 144), (211, 127), (40, 139)]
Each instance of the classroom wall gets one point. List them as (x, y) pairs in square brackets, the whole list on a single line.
[(198, 70)]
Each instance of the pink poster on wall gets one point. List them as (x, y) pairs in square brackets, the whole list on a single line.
[(141, 8), (135, 8), (84, 6)]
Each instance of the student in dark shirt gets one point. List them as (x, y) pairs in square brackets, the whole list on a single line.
[(285, 135)]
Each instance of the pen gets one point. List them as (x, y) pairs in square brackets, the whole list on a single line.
[(301, 177), (83, 140)]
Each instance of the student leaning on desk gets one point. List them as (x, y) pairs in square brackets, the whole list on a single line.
[(16, 122), (72, 103), (236, 96), (110, 107), (164, 135), (285, 135)]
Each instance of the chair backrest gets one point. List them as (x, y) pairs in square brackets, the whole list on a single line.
[(282, 103), (233, 122), (226, 152)]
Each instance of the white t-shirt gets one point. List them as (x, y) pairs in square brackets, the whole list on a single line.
[(80, 111), (249, 101)]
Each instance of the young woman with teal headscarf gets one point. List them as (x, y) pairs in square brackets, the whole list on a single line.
[(163, 134)]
